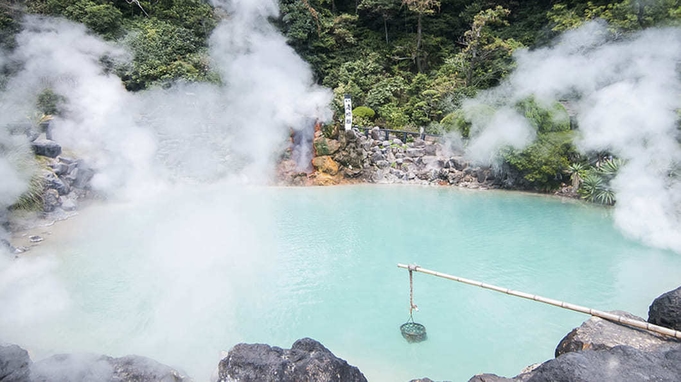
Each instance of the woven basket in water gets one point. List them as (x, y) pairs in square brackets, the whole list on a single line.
[(413, 332)]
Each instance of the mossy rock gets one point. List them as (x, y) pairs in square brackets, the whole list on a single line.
[(325, 146)]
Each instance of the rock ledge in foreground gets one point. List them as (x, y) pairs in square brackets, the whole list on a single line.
[(307, 360), (16, 366), (599, 334), (666, 310)]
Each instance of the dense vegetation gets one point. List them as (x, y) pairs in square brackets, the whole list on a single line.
[(407, 63)]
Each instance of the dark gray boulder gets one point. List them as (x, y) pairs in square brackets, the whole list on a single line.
[(621, 363), (54, 182), (489, 378), (51, 200), (306, 361), (91, 367), (599, 334), (14, 364), (82, 176), (46, 148), (430, 149), (666, 310)]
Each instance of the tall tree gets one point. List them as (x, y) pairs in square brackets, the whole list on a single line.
[(421, 7), (385, 8), (486, 57)]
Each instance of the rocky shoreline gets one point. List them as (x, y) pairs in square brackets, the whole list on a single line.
[(59, 186), (355, 157), (597, 351), (368, 157)]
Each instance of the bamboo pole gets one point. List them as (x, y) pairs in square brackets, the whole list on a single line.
[(565, 305)]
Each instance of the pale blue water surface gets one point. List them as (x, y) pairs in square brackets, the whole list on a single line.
[(185, 275)]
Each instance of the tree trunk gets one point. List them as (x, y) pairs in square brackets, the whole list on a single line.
[(385, 27), (640, 14), (418, 44)]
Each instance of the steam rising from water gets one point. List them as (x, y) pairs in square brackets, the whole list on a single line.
[(626, 94), (150, 145), (139, 142)]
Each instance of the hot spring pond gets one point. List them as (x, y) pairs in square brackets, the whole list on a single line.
[(182, 276)]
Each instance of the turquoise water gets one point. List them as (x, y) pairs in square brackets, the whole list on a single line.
[(189, 273)]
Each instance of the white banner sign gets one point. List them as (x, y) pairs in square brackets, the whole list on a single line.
[(348, 112)]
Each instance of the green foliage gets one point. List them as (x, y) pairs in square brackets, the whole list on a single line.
[(163, 52), (9, 26), (595, 182), (49, 102), (167, 37), (577, 171), (610, 167), (363, 116), (393, 116), (462, 120), (391, 90), (622, 16), (542, 163), (100, 16), (364, 112), (553, 118), (486, 58), (196, 16), (596, 189), (103, 19), (32, 199)]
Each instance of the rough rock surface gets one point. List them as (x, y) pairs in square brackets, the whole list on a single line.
[(325, 164), (45, 147), (621, 363), (666, 310), (489, 378), (14, 364), (376, 157), (599, 334), (307, 360), (90, 367)]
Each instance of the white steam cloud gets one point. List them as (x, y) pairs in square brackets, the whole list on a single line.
[(503, 128), (626, 95), (203, 132)]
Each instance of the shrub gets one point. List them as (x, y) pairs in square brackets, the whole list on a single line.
[(462, 120), (163, 52), (545, 120), (103, 19), (49, 102), (364, 112), (394, 116), (542, 163)]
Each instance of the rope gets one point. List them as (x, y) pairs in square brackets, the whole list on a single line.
[(412, 306)]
